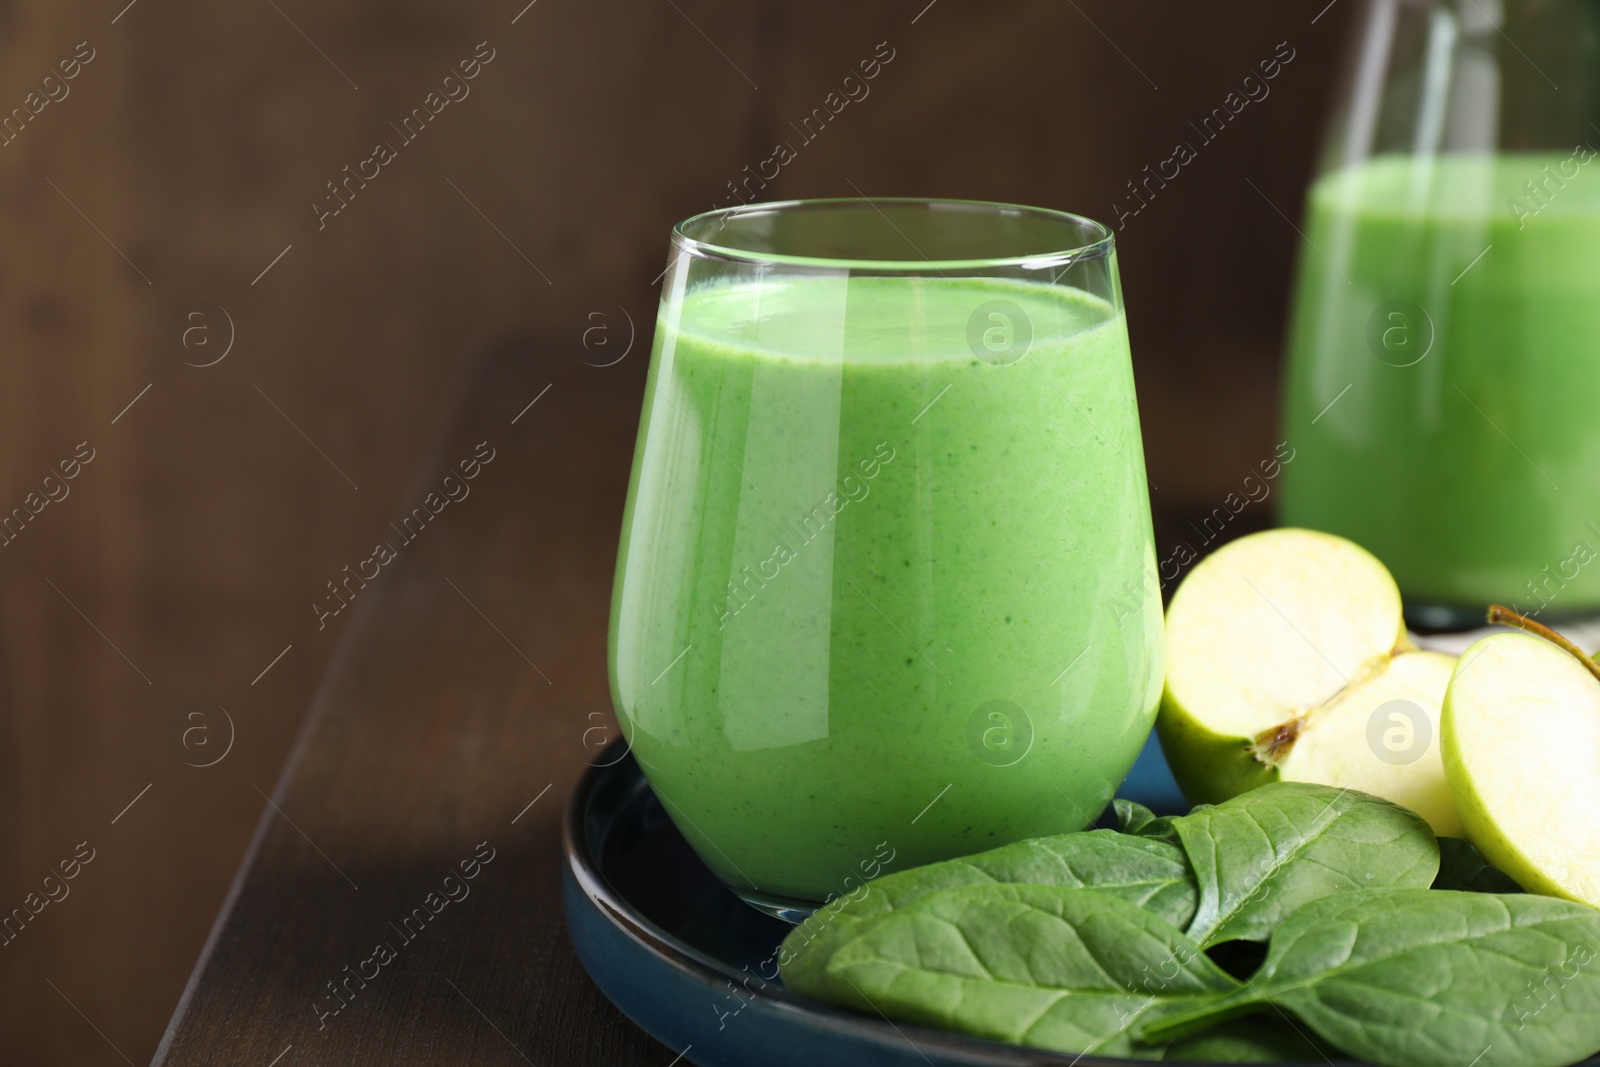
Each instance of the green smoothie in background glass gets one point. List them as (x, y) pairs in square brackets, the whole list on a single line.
[(1444, 356), (1444, 391), (887, 499)]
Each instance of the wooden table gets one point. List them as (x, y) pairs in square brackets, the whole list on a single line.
[(468, 695)]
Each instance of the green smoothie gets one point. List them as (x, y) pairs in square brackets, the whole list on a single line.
[(866, 613), (1458, 299)]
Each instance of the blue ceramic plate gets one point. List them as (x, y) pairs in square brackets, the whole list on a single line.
[(687, 960)]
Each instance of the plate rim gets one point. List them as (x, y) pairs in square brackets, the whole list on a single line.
[(582, 865)]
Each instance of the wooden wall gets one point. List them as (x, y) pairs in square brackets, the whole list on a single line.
[(188, 153)]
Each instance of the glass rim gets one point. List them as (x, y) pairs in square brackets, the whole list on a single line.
[(1104, 240)]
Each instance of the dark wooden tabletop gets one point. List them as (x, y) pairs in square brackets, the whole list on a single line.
[(467, 697)]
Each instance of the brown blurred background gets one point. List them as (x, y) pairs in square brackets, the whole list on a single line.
[(184, 159)]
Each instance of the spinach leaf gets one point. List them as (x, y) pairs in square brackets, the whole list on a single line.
[(1135, 818), (1430, 978), (1264, 853), (1068, 969), (1144, 871), (1262, 1039), (1460, 867)]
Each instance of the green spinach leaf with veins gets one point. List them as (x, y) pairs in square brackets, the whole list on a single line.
[(1075, 970), (1135, 818), (1259, 1039), (1261, 855), (1143, 871), (1429, 978)]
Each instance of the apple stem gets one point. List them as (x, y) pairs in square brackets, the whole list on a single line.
[(1504, 616)]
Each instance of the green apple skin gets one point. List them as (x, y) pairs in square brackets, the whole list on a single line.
[(1362, 602), (1213, 767), (1534, 806), (1209, 767), (1493, 846)]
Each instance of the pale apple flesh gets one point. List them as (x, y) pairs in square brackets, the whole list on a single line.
[(1382, 737), (1281, 647), (1521, 734)]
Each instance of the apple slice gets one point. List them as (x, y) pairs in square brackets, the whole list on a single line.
[(1521, 732), (1381, 737), (1287, 659)]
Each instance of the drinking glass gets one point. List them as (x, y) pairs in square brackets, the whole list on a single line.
[(886, 587), (1444, 368)]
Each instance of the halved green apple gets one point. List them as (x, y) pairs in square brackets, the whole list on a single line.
[(1521, 732), (1287, 659)]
